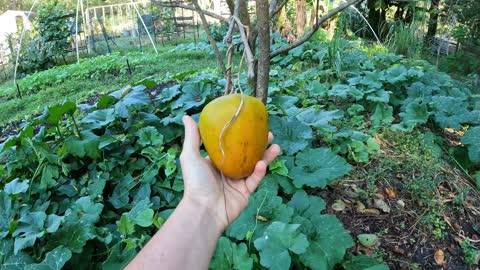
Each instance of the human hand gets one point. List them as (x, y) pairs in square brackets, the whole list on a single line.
[(204, 186)]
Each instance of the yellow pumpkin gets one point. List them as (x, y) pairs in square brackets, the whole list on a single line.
[(244, 140)]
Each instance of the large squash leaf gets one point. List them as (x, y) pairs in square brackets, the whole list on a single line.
[(318, 167)]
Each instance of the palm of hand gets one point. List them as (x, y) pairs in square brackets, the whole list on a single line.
[(226, 197)]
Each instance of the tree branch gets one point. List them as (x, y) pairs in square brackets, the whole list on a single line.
[(210, 37), (248, 50), (314, 28), (273, 10), (178, 5)]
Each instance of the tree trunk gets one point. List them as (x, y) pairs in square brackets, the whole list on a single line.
[(433, 21), (263, 65), (300, 17), (244, 16), (376, 17), (284, 26), (231, 6), (14, 4)]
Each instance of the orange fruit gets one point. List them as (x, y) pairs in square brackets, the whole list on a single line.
[(243, 141)]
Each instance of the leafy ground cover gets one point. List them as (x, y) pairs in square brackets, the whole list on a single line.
[(363, 181), (97, 75)]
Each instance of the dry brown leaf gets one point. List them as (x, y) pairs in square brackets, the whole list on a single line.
[(439, 257), (360, 207), (371, 211), (391, 193), (338, 206), (380, 196), (261, 218), (381, 204)]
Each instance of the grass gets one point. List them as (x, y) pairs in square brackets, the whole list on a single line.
[(94, 76)]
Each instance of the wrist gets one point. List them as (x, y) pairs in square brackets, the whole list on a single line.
[(206, 211)]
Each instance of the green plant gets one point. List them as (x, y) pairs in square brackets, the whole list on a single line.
[(52, 40), (402, 39), (219, 30), (470, 253), (110, 177)]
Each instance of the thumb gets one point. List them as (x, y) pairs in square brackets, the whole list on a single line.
[(191, 144)]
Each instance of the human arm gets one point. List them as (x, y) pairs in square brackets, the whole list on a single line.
[(188, 238)]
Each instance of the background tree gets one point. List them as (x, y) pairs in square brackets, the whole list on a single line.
[(255, 31), (434, 12)]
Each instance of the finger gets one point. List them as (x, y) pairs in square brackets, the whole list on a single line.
[(191, 143), (271, 153), (270, 137), (256, 177)]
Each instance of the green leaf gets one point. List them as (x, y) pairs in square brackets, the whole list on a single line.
[(54, 260), (278, 240), (265, 203), (431, 142), (145, 218), (229, 255), (415, 113), (379, 95), (30, 227), (149, 136), (84, 210), (53, 222), (99, 118), (17, 262), (471, 138), (118, 258), (126, 226), (344, 91), (396, 74), (86, 145), (6, 250), (138, 207), (73, 236), (319, 119), (49, 175), (373, 79), (367, 240), (278, 167), (328, 246), (382, 116), (53, 114), (306, 205), (130, 100), (362, 262), (16, 186), (194, 95), (168, 94), (7, 213), (318, 167), (120, 196), (105, 101), (451, 112), (290, 134)]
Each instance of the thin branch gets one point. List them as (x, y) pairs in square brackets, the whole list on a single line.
[(314, 29), (228, 39), (178, 5), (210, 37), (248, 50), (272, 6), (274, 11)]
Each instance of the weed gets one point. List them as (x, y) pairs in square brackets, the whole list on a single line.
[(470, 253)]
